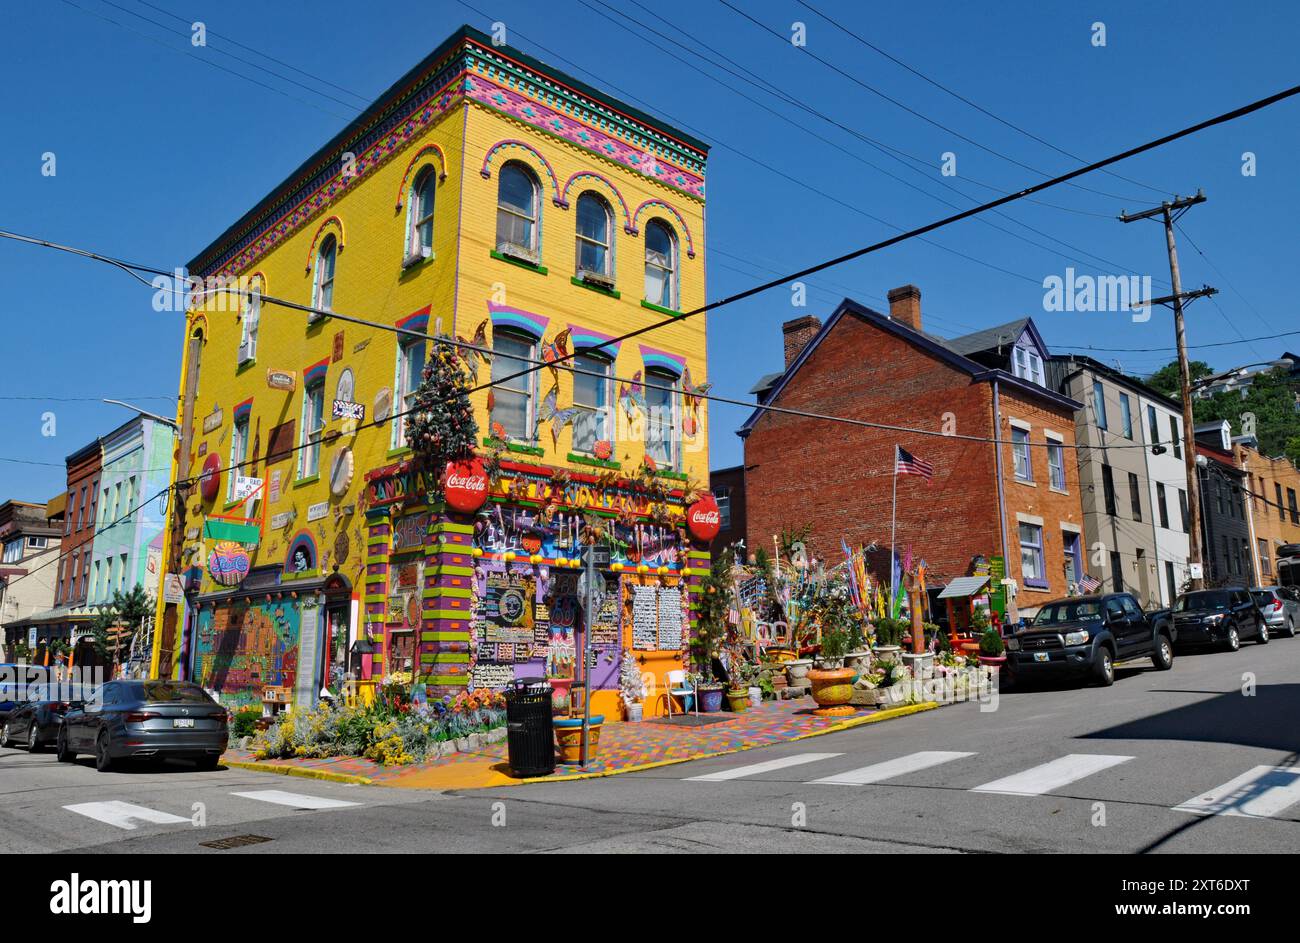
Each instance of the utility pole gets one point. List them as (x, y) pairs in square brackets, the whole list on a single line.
[(1170, 212)]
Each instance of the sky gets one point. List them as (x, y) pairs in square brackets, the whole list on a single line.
[(817, 149)]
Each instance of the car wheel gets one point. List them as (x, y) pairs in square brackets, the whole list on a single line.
[(1104, 668), (1234, 640), (61, 750), (1290, 627), (1262, 637), (207, 763), (5, 739), (103, 759), (33, 740), (1163, 657)]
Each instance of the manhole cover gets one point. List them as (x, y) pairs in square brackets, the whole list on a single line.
[(236, 841)]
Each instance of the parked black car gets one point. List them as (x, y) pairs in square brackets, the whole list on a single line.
[(146, 720), (1084, 636), (1219, 617), (35, 722)]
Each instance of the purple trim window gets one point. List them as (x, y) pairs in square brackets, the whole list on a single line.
[(1031, 556)]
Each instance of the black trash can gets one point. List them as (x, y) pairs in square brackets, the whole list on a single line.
[(530, 740)]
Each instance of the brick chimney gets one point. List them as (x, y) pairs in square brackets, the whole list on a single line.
[(905, 306), (797, 335)]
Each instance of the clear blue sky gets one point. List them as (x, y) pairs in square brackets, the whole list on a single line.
[(157, 152)]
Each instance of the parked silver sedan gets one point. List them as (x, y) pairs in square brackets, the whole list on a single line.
[(151, 720), (1281, 608)]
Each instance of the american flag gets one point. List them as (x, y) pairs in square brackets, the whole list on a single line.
[(1089, 583), (908, 464)]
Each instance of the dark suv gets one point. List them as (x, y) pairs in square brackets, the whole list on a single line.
[(1219, 617), (1083, 636)]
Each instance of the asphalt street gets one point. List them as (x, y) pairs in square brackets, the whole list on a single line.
[(1177, 761)]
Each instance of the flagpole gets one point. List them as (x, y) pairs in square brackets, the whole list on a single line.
[(893, 527)]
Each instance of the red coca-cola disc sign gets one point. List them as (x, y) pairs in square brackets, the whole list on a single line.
[(210, 480), (704, 519), (466, 485)]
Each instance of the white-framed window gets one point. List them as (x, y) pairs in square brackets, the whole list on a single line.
[(1031, 555), (410, 371), (323, 284), (1055, 463), (595, 251), (248, 327), (660, 265), (419, 234), (1028, 365), (95, 582), (591, 396), (37, 543), (117, 504), (722, 494), (517, 212), (108, 574), (104, 509), (238, 454), (1125, 416), (1099, 403), (121, 572), (663, 401), (512, 406), (13, 550), (313, 424), (1020, 453)]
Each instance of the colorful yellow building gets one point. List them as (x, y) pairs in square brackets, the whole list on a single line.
[(488, 197)]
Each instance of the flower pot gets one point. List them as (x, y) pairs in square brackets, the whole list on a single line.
[(737, 699), (797, 671), (755, 697), (887, 651), (710, 698), (993, 659), (832, 689), (634, 712), (568, 738), (560, 695), (858, 661)]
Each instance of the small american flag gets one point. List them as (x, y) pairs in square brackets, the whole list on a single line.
[(1089, 583), (908, 464)]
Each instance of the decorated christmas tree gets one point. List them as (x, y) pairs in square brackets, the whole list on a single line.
[(440, 426)]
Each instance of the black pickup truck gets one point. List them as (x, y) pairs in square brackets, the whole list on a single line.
[(1086, 635)]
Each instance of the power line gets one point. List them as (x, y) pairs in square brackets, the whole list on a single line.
[(963, 99)]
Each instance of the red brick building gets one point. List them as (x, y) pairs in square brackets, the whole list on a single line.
[(1019, 502)]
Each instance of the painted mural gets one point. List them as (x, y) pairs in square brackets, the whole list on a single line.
[(242, 649)]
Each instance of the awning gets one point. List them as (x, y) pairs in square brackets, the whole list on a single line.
[(241, 533), (963, 586)]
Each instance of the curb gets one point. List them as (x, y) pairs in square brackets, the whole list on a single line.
[(303, 771), (879, 716)]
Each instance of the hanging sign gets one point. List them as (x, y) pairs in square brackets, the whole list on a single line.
[(466, 485), (228, 563), (317, 511), (210, 480), (173, 588), (212, 421), (704, 519), (343, 409), (341, 472), (281, 379)]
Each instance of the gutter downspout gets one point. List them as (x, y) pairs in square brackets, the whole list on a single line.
[(1155, 521), (1002, 499)]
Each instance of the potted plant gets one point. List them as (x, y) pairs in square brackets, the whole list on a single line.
[(631, 686), (712, 612), (568, 737), (889, 633), (744, 674), (832, 683), (992, 648)]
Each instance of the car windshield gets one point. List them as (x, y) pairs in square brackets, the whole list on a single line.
[(154, 691), (1195, 602), (1057, 612)]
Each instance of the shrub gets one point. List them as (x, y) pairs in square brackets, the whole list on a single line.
[(244, 722)]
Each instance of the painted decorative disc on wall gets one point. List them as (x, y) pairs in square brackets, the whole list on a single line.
[(210, 480), (341, 469)]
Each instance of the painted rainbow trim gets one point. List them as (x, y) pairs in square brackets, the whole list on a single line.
[(243, 410), (656, 359), (302, 539), (581, 337), (672, 211), (315, 373), (513, 144), (320, 231), (511, 317), (429, 150), (419, 321)]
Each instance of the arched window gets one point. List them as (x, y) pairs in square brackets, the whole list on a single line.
[(661, 439), (419, 238), (592, 388), (660, 265), (323, 285), (512, 400), (593, 239), (517, 212)]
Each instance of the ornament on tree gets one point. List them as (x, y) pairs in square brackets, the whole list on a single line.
[(440, 427)]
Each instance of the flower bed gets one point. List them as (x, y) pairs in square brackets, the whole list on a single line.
[(392, 730)]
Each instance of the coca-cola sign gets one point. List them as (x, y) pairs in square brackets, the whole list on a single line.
[(703, 518), (466, 485)]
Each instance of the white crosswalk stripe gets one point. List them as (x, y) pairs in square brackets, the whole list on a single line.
[(889, 769), (124, 815), (1260, 792), (1053, 775), (754, 769), (295, 800)]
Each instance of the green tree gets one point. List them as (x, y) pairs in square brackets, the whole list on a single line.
[(1268, 405), (1165, 380), (711, 613), (130, 608)]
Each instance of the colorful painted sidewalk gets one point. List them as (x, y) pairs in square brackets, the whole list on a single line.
[(624, 748)]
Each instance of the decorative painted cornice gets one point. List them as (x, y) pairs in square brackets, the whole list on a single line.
[(466, 67)]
